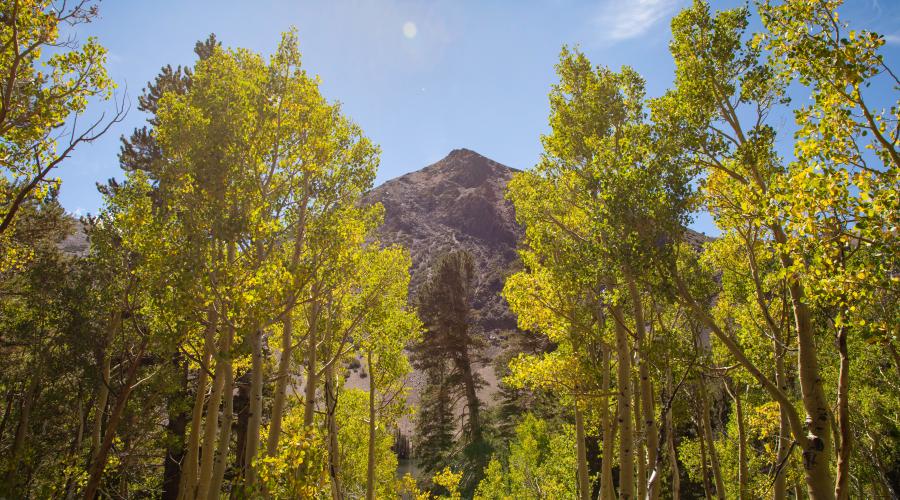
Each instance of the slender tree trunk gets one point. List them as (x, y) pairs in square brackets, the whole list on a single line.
[(211, 424), (743, 472), (842, 486), (624, 413), (334, 452), (779, 486), (190, 466), (281, 383), (817, 474), (817, 448), (218, 475), (707, 487), (584, 489), (639, 440), (242, 411), (370, 464), (309, 406), (95, 471), (176, 429), (115, 322), (648, 403), (710, 441), (607, 492), (255, 419), (817, 453), (670, 440)]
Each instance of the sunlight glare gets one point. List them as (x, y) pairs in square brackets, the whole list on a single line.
[(409, 29)]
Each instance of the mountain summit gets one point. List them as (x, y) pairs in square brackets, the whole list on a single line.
[(458, 202)]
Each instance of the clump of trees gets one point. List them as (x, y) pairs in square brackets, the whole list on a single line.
[(762, 364), (231, 269)]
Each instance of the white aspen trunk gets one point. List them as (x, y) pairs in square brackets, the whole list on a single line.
[(221, 460), (670, 440), (779, 486), (255, 406), (710, 440), (842, 484), (210, 427), (334, 452), (817, 448), (743, 471), (370, 465), (187, 488), (639, 440), (584, 489), (624, 413), (607, 492), (309, 405), (281, 383), (648, 403)]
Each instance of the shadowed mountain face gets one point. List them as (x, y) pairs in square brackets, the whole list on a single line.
[(457, 202)]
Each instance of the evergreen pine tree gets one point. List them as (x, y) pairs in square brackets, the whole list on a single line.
[(446, 355)]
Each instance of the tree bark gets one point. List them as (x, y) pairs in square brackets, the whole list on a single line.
[(817, 447), (254, 422), (309, 405), (624, 412), (842, 486), (707, 487), (334, 452), (743, 472), (648, 403), (584, 492), (464, 365), (710, 441), (670, 440), (639, 440), (242, 411), (218, 475), (607, 492), (281, 383), (210, 427), (190, 466), (779, 486), (370, 464), (22, 429)]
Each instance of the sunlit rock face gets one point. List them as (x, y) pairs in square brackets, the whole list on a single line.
[(458, 202)]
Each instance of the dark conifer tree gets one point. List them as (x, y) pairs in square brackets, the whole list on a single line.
[(446, 354)]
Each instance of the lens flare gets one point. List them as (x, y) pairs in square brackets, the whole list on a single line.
[(409, 29)]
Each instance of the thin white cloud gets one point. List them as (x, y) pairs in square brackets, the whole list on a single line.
[(621, 20), (892, 38)]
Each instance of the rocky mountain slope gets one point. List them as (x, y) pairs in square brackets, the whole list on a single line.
[(457, 202)]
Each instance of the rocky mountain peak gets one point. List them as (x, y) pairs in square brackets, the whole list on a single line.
[(468, 169), (457, 202)]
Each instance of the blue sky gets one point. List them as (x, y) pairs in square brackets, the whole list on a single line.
[(420, 77)]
